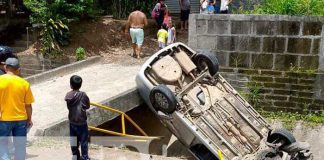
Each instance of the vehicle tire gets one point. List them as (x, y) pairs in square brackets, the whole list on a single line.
[(283, 135), (209, 59), (163, 99), (268, 154)]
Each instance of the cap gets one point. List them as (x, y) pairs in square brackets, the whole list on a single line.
[(13, 62)]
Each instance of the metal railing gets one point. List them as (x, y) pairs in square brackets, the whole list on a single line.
[(123, 127)]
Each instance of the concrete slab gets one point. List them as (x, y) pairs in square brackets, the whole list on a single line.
[(59, 148), (100, 82)]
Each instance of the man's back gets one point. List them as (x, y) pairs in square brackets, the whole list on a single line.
[(137, 19), (15, 92)]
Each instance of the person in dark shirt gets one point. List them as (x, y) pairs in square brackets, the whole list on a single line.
[(77, 103), (184, 13), (5, 53), (160, 9)]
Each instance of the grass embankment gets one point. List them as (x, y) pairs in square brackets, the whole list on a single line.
[(290, 119)]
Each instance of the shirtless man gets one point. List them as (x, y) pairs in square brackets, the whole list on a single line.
[(136, 22)]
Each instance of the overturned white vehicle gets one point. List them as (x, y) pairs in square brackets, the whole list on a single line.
[(206, 113)]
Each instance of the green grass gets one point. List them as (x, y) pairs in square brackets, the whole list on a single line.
[(290, 119), (287, 7)]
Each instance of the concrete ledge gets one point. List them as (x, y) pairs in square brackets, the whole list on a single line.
[(244, 17), (66, 69), (125, 101)]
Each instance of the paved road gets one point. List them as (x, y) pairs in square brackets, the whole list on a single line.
[(100, 82)]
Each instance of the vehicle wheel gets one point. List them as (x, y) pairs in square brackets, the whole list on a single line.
[(207, 59), (268, 154), (163, 99), (281, 135)]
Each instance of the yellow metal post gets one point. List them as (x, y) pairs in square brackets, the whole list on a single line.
[(105, 131), (123, 123), (220, 155), (120, 134), (123, 116), (106, 108), (135, 125)]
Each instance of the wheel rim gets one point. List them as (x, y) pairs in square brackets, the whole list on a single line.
[(202, 64), (161, 100)]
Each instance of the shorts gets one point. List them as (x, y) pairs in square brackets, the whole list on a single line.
[(137, 35), (161, 45), (184, 15), (224, 12)]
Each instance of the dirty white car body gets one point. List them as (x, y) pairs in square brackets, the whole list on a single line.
[(204, 111)]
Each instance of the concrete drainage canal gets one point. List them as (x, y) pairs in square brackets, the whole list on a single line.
[(167, 145)]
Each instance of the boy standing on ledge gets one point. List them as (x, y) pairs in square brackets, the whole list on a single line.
[(77, 103)]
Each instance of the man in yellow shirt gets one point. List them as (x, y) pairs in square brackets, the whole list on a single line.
[(15, 110)]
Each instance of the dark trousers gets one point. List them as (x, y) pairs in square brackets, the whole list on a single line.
[(159, 21), (79, 136)]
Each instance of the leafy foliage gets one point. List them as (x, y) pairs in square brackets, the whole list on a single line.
[(287, 7), (253, 94), (122, 8), (55, 16), (297, 69), (80, 53), (78, 9), (39, 11), (54, 34)]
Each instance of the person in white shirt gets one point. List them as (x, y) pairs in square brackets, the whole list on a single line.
[(203, 6), (224, 6)]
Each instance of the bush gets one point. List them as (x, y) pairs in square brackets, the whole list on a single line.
[(77, 10), (122, 8), (80, 53), (54, 35), (54, 16), (288, 7)]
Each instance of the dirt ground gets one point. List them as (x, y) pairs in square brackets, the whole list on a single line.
[(105, 36)]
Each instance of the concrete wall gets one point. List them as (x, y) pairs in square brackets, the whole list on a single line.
[(35, 64), (124, 102), (263, 49), (70, 68)]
